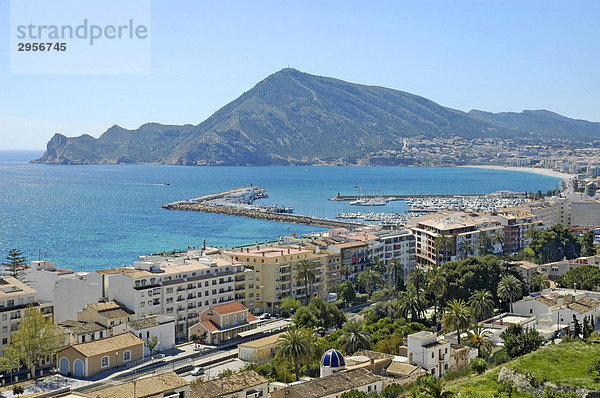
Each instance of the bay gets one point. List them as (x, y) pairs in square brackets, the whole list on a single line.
[(98, 216)]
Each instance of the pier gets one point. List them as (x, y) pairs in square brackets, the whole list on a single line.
[(239, 202), (401, 197)]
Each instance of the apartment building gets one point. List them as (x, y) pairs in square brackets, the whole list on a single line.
[(15, 298), (516, 223), (180, 287), (354, 257), (398, 244), (271, 274), (459, 226)]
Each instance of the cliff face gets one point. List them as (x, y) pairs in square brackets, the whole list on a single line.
[(296, 118)]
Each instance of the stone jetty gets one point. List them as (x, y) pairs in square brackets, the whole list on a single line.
[(262, 215)]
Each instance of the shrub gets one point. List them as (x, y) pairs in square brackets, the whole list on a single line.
[(479, 365)]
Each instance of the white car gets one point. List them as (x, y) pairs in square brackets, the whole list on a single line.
[(197, 371)]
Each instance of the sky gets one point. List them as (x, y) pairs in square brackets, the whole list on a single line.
[(490, 55)]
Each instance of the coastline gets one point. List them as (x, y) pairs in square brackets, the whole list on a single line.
[(535, 170)]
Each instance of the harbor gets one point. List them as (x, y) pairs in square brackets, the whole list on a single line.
[(240, 202)]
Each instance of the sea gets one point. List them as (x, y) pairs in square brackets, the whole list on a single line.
[(97, 216)]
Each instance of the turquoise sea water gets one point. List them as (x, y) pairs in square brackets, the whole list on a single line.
[(90, 217)]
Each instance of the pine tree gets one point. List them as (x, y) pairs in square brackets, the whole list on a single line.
[(15, 265)]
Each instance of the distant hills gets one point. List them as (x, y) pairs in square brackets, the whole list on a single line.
[(293, 117)]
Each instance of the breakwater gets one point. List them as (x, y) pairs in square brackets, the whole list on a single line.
[(262, 215)]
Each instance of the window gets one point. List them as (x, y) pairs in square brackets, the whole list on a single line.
[(104, 362), (226, 320), (142, 304), (433, 355), (234, 318), (169, 290), (127, 356), (4, 341), (242, 316)]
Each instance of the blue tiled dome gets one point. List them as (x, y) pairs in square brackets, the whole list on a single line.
[(333, 359)]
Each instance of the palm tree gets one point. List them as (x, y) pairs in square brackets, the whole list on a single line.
[(346, 271), (432, 387), (395, 269), (509, 289), (466, 248), (498, 239), (436, 285), (457, 317), (354, 337), (296, 345), (417, 281), (369, 278), (377, 265), (482, 304), (409, 305), (443, 243), (538, 281), (478, 337), (484, 244), (306, 272)]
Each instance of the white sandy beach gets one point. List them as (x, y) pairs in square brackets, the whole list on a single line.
[(536, 170)]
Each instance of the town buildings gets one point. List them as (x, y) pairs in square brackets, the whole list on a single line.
[(221, 323), (429, 351)]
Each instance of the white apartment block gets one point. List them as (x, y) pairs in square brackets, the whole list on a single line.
[(69, 291), (430, 352), (180, 287), (399, 244), (15, 298)]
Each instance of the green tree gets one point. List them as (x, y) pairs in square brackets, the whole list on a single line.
[(354, 394), (436, 285), (457, 317), (466, 249), (480, 338), (369, 279), (319, 315), (576, 327), (509, 289), (519, 341), (586, 242), (417, 281), (347, 292), (346, 271), (289, 305), (409, 305), (152, 343), (15, 265), (306, 271), (395, 270), (484, 244), (296, 346), (377, 265), (586, 277), (432, 387), (443, 245), (478, 365), (498, 239), (11, 360), (505, 388), (538, 281), (18, 390), (554, 244), (36, 339), (354, 337), (594, 367), (482, 304)]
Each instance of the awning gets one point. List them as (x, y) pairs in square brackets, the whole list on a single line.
[(266, 328)]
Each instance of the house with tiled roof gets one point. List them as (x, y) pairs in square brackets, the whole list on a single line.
[(221, 323), (86, 359), (247, 384), (167, 384), (333, 386), (584, 307), (110, 314)]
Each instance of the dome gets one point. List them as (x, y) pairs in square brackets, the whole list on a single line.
[(333, 359)]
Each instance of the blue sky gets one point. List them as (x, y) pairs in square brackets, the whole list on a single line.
[(490, 55)]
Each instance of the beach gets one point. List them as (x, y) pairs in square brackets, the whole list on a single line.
[(536, 170)]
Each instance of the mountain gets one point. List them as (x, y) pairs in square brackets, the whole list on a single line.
[(543, 122), (293, 117)]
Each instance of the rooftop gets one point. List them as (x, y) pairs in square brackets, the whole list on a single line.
[(101, 346), (264, 342), (335, 383), (78, 327), (228, 308), (227, 385), (144, 387), (144, 323), (11, 287), (271, 251)]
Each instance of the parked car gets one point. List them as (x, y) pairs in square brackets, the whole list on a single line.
[(197, 371)]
